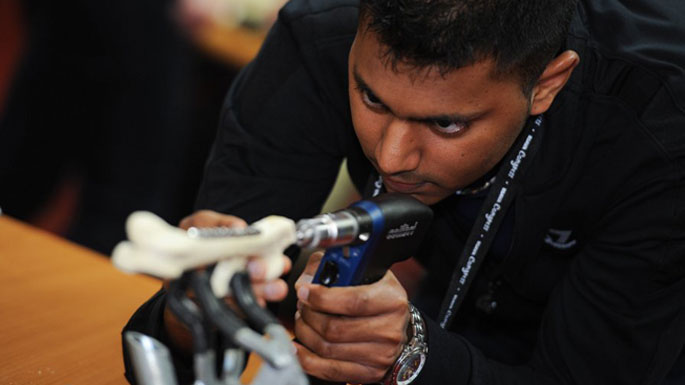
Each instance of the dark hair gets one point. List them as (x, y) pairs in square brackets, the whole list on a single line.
[(522, 36)]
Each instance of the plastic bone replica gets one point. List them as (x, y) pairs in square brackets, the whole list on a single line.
[(161, 250)]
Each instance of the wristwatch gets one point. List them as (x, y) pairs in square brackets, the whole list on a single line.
[(413, 356)]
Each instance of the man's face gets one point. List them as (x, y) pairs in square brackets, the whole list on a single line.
[(428, 134)]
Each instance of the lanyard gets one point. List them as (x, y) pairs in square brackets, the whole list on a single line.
[(484, 229), (496, 204)]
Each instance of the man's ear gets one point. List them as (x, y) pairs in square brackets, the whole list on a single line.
[(552, 80)]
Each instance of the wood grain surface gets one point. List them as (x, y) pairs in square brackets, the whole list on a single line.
[(62, 308)]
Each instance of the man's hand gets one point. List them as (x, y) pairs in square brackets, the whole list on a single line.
[(352, 334), (208, 218), (271, 291)]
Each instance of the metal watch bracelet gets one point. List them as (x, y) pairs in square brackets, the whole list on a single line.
[(413, 356)]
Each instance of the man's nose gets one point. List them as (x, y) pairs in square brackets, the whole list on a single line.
[(398, 150)]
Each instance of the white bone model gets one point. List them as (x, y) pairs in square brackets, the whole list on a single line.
[(165, 251)]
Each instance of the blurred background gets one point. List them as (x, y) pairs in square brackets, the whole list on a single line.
[(107, 107)]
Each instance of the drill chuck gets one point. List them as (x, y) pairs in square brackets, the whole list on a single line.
[(343, 227)]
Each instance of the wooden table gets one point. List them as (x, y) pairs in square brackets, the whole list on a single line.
[(235, 46), (62, 308)]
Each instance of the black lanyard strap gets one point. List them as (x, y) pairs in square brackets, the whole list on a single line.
[(489, 219)]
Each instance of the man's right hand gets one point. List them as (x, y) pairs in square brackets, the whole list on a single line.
[(209, 218), (271, 291)]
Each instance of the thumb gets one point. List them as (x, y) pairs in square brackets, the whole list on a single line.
[(313, 263), (310, 269)]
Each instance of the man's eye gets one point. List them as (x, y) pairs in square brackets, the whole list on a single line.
[(371, 99), (448, 127)]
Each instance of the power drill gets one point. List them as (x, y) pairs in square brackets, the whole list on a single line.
[(365, 239)]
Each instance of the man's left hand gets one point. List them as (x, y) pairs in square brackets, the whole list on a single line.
[(349, 334)]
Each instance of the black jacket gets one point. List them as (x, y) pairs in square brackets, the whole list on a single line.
[(590, 288)]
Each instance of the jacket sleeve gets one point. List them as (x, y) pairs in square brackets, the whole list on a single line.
[(284, 128)]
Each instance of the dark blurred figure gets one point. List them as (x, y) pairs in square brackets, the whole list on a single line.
[(110, 97)]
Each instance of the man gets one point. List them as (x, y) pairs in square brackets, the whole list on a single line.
[(567, 141)]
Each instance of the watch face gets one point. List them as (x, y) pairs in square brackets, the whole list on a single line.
[(410, 368)]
